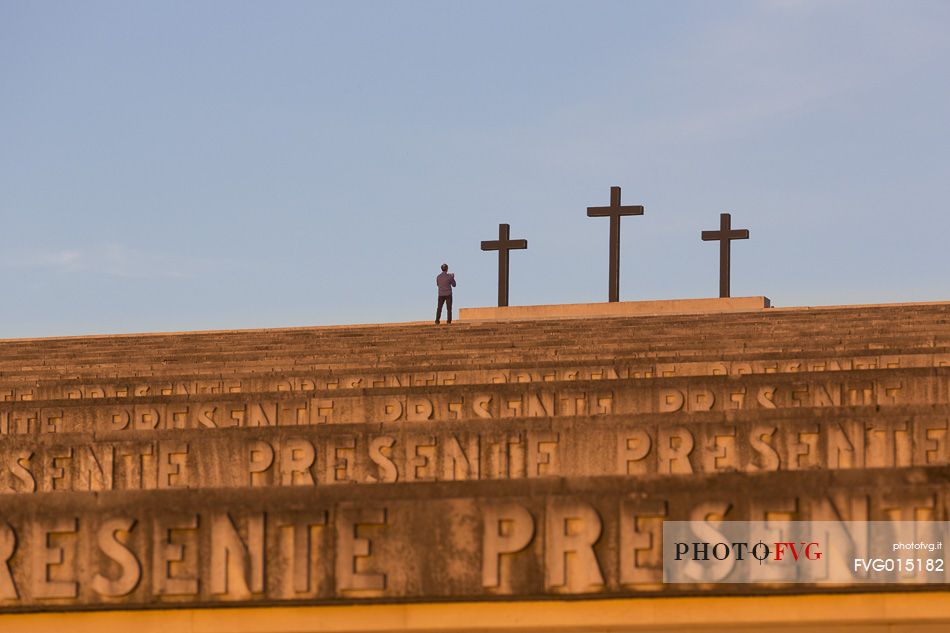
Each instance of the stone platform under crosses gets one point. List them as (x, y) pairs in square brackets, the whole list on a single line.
[(505, 458), (618, 308)]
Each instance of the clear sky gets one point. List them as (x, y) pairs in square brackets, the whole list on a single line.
[(194, 165)]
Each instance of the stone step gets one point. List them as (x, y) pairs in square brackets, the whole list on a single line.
[(508, 539), (306, 358), (872, 388), (362, 337), (550, 348), (643, 447), (39, 389), (434, 337)]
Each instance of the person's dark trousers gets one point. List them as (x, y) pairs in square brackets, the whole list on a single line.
[(448, 304)]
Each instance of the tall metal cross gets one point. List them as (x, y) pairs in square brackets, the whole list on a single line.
[(614, 212), (725, 235), (503, 244)]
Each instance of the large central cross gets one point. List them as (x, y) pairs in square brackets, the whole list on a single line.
[(614, 212), (503, 244), (725, 235)]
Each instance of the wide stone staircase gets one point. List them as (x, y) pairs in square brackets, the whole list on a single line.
[(474, 461)]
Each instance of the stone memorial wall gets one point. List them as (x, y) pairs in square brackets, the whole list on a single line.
[(478, 462)]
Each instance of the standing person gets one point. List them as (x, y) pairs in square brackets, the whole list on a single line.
[(444, 281)]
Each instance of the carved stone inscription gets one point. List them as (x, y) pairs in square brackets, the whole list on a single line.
[(311, 383), (600, 540), (515, 449), (487, 402)]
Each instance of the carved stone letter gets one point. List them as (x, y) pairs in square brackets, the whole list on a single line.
[(508, 528), (233, 559), (260, 457), (572, 527), (674, 445), (641, 533), (8, 589), (115, 549), (352, 549), (45, 556), (633, 446), (165, 553)]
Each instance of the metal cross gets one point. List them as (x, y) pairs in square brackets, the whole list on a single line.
[(725, 235), (614, 211), (503, 244)]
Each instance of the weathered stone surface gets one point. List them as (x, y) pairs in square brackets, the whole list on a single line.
[(146, 387), (616, 308), (637, 447), (778, 331), (595, 537), (479, 403), (491, 461)]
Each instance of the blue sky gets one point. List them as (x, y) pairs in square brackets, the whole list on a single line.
[(195, 165)]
